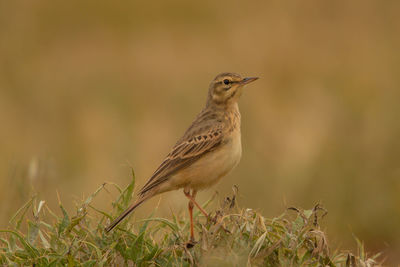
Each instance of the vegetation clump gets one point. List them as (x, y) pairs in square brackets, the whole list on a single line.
[(232, 236)]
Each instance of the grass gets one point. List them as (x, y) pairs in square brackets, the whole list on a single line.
[(232, 237)]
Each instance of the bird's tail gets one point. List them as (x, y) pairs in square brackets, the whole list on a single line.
[(125, 213)]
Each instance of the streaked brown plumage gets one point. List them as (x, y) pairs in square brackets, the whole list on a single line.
[(208, 150)]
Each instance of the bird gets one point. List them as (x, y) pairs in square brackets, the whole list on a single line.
[(208, 150)]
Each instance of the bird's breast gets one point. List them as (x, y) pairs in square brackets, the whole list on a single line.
[(210, 168)]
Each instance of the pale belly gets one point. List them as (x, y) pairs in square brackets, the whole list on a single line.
[(209, 169)]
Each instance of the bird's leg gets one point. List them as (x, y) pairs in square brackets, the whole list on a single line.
[(192, 199), (191, 242), (191, 221)]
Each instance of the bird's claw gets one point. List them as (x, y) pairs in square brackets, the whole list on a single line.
[(191, 243)]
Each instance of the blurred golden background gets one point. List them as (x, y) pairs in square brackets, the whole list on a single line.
[(88, 88)]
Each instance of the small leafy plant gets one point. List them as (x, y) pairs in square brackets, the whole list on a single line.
[(232, 236)]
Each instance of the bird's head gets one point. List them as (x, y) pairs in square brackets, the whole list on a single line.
[(226, 89)]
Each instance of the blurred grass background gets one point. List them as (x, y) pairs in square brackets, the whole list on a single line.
[(88, 88)]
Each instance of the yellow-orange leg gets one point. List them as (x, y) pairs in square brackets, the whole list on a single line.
[(192, 199), (192, 202), (191, 221)]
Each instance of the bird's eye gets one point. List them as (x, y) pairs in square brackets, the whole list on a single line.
[(226, 81)]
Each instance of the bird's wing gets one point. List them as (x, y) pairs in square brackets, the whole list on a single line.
[(188, 150)]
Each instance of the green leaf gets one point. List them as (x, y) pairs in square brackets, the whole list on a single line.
[(44, 240), (53, 263), (33, 230), (90, 198), (7, 248), (128, 192), (75, 221), (166, 222), (298, 224), (308, 213), (31, 250), (89, 263), (21, 212), (64, 222), (102, 212)]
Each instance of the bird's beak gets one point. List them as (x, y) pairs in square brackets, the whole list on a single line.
[(248, 80)]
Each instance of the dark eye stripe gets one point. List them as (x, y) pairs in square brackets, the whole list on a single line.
[(230, 82)]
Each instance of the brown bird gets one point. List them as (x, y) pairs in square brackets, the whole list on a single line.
[(210, 148)]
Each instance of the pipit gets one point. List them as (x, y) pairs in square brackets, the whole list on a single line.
[(210, 148)]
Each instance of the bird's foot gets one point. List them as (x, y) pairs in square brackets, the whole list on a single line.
[(191, 243)]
